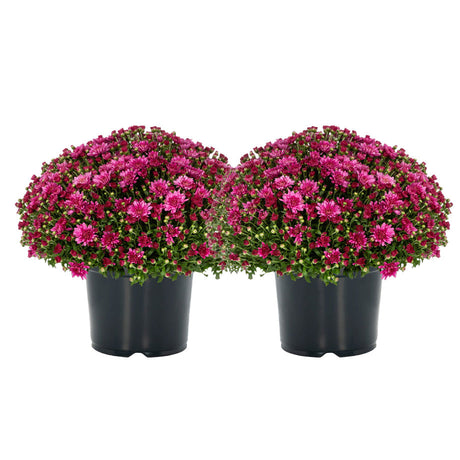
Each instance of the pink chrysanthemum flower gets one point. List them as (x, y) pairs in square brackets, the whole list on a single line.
[(264, 251), (98, 149), (289, 165), (384, 180), (174, 201), (135, 256), (184, 182), (383, 234), (408, 226), (139, 209), (171, 233), (129, 178), (110, 240), (79, 269), (60, 226), (179, 165), (328, 210), (142, 146), (339, 177), (416, 189), (293, 201), (358, 240), (332, 256), (144, 241), (365, 179), (204, 251), (76, 202), (250, 206), (83, 180), (308, 187), (325, 146), (283, 182), (84, 234), (138, 164), (101, 180), (264, 192), (159, 187), (392, 200), (296, 233), (323, 241), (389, 269), (369, 149)]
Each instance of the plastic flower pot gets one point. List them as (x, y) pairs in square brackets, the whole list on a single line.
[(151, 319), (316, 318)]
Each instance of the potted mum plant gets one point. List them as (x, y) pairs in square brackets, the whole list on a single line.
[(331, 213), (132, 213)]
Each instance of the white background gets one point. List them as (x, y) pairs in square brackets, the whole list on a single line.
[(233, 75)]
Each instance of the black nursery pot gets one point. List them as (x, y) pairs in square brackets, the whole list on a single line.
[(316, 319), (151, 319)]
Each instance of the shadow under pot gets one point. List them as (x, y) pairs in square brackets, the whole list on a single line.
[(151, 319), (316, 319)]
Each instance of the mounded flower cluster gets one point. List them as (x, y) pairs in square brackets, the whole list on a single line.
[(324, 203), (138, 202), (317, 204)]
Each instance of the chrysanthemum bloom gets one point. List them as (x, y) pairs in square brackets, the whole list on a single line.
[(383, 234), (79, 269), (179, 165), (416, 190), (293, 201), (358, 239), (408, 226), (308, 187), (296, 233), (84, 234), (159, 187), (328, 210), (332, 256), (365, 179), (325, 146), (339, 178), (129, 178), (264, 251), (204, 251), (144, 241), (83, 180), (135, 256), (323, 241), (184, 182), (60, 226), (199, 195), (110, 240), (174, 201), (289, 165), (369, 148), (98, 149), (385, 180), (389, 269), (139, 210), (101, 180), (283, 182)]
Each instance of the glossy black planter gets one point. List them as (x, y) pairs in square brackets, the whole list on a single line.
[(316, 319), (151, 319)]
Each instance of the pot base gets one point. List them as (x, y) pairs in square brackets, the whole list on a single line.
[(316, 319), (128, 353), (151, 319), (319, 354)]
